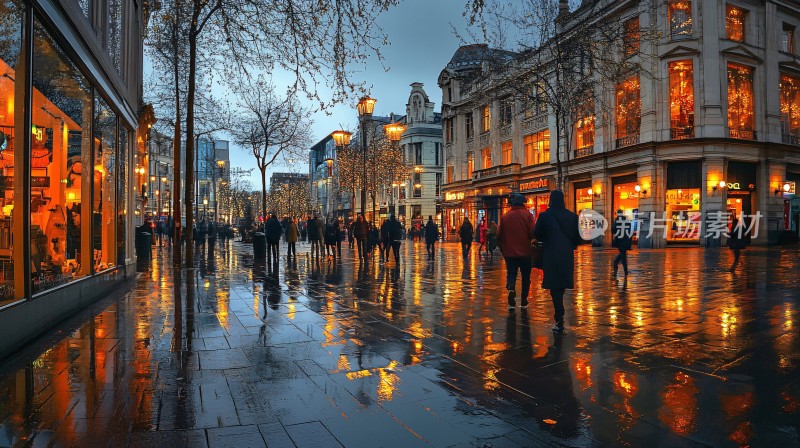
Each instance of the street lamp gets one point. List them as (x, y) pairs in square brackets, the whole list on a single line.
[(329, 162), (366, 106), (205, 207), (341, 139), (393, 131)]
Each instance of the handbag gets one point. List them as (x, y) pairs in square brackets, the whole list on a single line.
[(536, 255)]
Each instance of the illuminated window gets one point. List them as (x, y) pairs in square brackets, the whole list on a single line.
[(486, 158), (735, 23), (536, 103), (584, 130), (631, 39), (537, 147), (741, 109), (790, 105), (505, 112), (451, 177), (681, 100), (417, 185), (680, 19), (787, 39), (506, 151), (470, 167), (468, 124), (486, 120), (629, 107)]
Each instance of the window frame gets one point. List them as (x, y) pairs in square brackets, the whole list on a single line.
[(631, 37), (486, 119), (729, 8), (679, 31)]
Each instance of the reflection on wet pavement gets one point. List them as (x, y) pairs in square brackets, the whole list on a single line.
[(232, 353)]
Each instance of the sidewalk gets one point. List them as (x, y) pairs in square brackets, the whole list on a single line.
[(329, 354)]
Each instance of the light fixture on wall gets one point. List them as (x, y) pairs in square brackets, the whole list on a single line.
[(721, 185)]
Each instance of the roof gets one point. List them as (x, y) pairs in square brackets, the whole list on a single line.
[(471, 56)]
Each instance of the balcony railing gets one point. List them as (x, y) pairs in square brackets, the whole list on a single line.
[(496, 171), (485, 139), (681, 133), (628, 140), (470, 143), (742, 134), (790, 139), (505, 132), (585, 151)]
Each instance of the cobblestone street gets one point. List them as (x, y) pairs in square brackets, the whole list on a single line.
[(683, 353)]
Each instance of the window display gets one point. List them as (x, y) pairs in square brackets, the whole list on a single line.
[(11, 19), (683, 210), (626, 198), (60, 160), (104, 200)]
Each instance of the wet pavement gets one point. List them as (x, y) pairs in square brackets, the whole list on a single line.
[(331, 354)]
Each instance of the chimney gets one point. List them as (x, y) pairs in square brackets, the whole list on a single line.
[(563, 7)]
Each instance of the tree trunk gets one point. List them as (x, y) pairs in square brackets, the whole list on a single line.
[(263, 192), (176, 159), (189, 190)]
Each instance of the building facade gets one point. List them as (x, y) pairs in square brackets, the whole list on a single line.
[(72, 139), (212, 171), (417, 195), (713, 132)]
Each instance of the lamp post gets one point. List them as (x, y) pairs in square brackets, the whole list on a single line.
[(366, 106), (205, 207), (329, 162), (393, 131), (221, 166)]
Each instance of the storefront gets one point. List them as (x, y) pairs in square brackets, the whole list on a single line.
[(791, 205), (684, 180), (625, 195), (741, 187), (583, 196), (456, 207), (537, 194), (67, 143)]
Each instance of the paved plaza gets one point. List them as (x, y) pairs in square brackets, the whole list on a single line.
[(328, 354)]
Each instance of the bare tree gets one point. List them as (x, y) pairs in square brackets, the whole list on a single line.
[(270, 126)]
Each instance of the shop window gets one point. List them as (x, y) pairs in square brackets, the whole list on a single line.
[(486, 119), (468, 124), (741, 107), (537, 147), (505, 112), (680, 19), (681, 100), (11, 150), (790, 108), (626, 198), (735, 20), (486, 158), (104, 210), (122, 194), (628, 111), (506, 148), (470, 167), (631, 39), (683, 211), (584, 132), (61, 167), (787, 39)]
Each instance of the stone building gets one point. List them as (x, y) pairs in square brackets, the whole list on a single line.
[(714, 131)]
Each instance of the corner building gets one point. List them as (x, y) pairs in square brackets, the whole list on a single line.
[(717, 129), (74, 158)]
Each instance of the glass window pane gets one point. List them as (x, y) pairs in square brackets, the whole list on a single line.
[(122, 194), (104, 211), (115, 11), (11, 282), (60, 166)]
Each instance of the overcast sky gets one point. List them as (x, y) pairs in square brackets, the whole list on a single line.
[(422, 42)]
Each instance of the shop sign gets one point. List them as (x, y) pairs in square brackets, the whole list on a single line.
[(455, 196), (535, 184), (40, 181), (791, 186), (736, 186)]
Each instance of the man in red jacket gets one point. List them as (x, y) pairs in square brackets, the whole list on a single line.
[(514, 235)]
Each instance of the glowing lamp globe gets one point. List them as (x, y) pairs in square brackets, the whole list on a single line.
[(394, 131), (341, 138), (366, 106)]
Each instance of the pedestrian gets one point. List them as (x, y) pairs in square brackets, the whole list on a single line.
[(330, 239), (373, 238), (483, 235), (558, 229), (491, 239), (212, 236), (395, 238), (360, 231), (466, 234), (623, 241), (431, 236), (351, 237), (273, 232), (340, 231), (291, 238), (319, 237), (202, 231), (737, 240), (385, 241), (515, 235)]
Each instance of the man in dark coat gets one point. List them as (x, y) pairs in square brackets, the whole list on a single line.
[(273, 232), (623, 241), (558, 229), (395, 238), (514, 234), (465, 232), (385, 241), (737, 239), (431, 236), (360, 230)]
